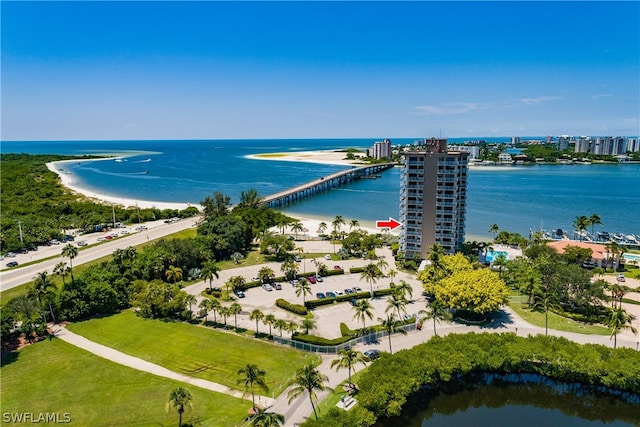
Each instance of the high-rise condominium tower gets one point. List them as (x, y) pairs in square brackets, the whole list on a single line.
[(433, 198)]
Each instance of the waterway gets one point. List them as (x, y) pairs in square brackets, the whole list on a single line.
[(537, 402)]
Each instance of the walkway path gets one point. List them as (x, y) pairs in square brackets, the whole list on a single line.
[(142, 365)]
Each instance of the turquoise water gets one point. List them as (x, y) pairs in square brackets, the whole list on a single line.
[(631, 257), (516, 198), (489, 257)]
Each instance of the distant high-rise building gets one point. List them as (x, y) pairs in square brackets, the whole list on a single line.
[(583, 144), (563, 142), (433, 199), (515, 140), (633, 145), (381, 149), (473, 150)]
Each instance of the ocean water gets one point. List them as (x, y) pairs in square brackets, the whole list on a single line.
[(516, 198)]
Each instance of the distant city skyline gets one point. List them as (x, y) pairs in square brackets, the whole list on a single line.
[(234, 70)]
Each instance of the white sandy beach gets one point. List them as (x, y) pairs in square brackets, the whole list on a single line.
[(327, 157), (67, 179)]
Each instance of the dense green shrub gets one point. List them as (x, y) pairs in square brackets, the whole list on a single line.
[(294, 308), (353, 270), (382, 292), (318, 302), (345, 331), (212, 293), (312, 339), (387, 383), (334, 272)]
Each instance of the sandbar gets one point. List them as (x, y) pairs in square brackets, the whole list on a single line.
[(326, 157)]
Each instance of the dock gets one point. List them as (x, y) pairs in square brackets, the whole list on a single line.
[(324, 183)]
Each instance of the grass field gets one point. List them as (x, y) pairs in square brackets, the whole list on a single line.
[(195, 350), (559, 323), (55, 377)]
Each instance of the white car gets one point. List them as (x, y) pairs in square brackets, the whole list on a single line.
[(82, 243), (337, 292), (327, 256), (267, 287), (620, 278)]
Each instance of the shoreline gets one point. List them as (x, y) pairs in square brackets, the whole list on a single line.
[(67, 181), (325, 157)]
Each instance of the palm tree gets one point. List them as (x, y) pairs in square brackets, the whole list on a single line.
[(174, 273), (581, 223), (267, 419), (235, 309), (205, 305), (256, 315), (308, 323), (382, 265), (354, 224), (396, 303), (215, 306), (619, 319), (280, 325), (269, 319), (362, 310), (43, 290), (435, 311), (179, 399), (594, 220), (392, 274), (224, 312), (544, 300), (292, 327), (252, 377), (390, 325), (403, 289), (493, 228), (190, 299), (290, 268), (70, 251), (337, 223), (303, 287), (371, 273), (209, 271), (61, 270), (322, 227), (266, 274), (297, 227), (348, 359), (308, 379)]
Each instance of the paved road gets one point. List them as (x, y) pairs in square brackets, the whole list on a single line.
[(24, 274)]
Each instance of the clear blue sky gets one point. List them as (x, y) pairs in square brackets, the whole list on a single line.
[(166, 70)]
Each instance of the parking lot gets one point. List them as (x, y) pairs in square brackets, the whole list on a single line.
[(328, 317)]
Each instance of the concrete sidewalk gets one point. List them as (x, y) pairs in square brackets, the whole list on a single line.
[(142, 365)]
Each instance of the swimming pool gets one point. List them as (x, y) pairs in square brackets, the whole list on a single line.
[(491, 255), (632, 257)]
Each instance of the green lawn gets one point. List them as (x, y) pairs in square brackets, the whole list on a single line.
[(195, 350), (559, 323), (56, 377)]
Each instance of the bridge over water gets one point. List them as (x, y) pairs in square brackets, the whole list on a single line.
[(323, 184)]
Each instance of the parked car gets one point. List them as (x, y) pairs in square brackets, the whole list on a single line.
[(82, 243), (10, 255), (55, 242), (240, 294), (320, 295), (348, 291), (255, 279), (331, 295), (294, 282), (297, 259), (267, 287), (620, 277), (327, 257), (22, 251), (337, 292), (353, 302), (357, 289), (311, 279), (372, 354), (12, 264), (337, 267), (319, 278), (277, 286)]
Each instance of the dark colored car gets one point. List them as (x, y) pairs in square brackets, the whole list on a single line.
[(311, 279), (240, 294), (331, 295), (337, 267), (372, 354), (320, 295), (12, 264), (348, 291)]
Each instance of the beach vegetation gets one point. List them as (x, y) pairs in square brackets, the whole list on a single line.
[(35, 202)]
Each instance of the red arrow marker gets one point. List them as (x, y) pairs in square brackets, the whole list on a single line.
[(391, 224)]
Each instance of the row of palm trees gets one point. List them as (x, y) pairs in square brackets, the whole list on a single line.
[(582, 222)]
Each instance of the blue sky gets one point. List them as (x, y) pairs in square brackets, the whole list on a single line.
[(213, 70)]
